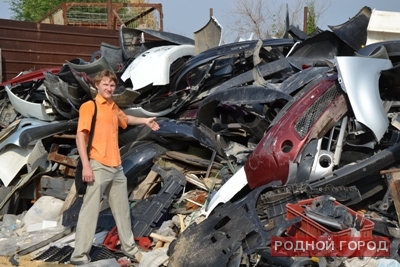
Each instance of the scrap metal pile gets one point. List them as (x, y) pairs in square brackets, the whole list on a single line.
[(247, 130)]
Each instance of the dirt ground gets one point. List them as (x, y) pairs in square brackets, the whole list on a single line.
[(25, 261)]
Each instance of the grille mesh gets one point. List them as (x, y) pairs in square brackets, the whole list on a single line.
[(307, 120)]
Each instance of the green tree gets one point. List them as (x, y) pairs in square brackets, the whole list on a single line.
[(31, 10), (34, 10), (311, 17)]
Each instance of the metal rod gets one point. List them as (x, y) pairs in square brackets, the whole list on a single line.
[(211, 163)]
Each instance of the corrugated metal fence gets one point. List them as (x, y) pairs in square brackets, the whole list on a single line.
[(29, 45)]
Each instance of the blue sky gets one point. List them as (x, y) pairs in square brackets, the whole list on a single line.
[(187, 16)]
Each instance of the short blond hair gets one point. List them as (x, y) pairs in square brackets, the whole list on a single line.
[(105, 73)]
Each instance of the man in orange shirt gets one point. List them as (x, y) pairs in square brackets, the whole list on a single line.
[(102, 168)]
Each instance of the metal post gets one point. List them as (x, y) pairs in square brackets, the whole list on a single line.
[(109, 14), (305, 20)]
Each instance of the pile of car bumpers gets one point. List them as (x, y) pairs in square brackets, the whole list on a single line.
[(259, 139)]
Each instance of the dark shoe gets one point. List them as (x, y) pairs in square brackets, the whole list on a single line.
[(82, 262)]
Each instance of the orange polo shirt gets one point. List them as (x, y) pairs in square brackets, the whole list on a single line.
[(105, 147)]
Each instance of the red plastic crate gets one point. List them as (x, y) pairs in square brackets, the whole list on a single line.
[(310, 228)]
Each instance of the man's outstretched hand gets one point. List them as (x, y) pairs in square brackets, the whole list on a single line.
[(152, 124)]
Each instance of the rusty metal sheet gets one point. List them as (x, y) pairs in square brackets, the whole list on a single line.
[(68, 163), (29, 45)]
